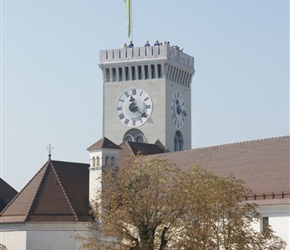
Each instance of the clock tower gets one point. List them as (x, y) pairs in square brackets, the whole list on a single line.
[(147, 95)]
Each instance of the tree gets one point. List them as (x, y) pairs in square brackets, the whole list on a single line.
[(150, 204), (219, 219)]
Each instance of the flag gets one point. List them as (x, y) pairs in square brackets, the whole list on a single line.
[(128, 7)]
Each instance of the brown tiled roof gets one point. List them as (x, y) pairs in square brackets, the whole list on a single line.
[(135, 148), (264, 165), (144, 148), (104, 143), (7, 193), (58, 192)]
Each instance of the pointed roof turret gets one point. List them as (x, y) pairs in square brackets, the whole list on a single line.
[(103, 143), (58, 192)]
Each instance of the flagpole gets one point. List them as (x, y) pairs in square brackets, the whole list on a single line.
[(131, 22)]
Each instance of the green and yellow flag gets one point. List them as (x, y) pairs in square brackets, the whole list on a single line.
[(128, 7)]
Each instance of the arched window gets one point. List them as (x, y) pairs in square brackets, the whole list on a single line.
[(176, 144), (178, 141), (107, 161), (94, 161), (140, 138), (134, 135), (112, 161), (98, 161), (128, 137)]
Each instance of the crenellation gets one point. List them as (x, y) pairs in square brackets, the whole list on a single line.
[(157, 53)]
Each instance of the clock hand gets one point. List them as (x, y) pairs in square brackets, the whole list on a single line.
[(143, 114), (131, 99), (133, 108)]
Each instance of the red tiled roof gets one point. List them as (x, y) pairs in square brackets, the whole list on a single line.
[(58, 192), (7, 193)]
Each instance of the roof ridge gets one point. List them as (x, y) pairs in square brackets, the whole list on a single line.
[(224, 145), (102, 141), (242, 142), (21, 191), (128, 144), (65, 194), (73, 162), (37, 189)]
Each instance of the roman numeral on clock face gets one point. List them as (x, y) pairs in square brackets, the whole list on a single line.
[(133, 107)]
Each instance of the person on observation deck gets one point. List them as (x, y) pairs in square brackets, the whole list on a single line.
[(147, 44), (131, 45)]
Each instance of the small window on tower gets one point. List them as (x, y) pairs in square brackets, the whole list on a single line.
[(120, 74), (178, 141), (107, 75), (114, 74), (140, 139), (159, 71), (107, 161), (140, 72), (112, 161), (94, 161), (134, 135), (98, 161), (146, 71), (152, 71), (127, 74), (133, 73)]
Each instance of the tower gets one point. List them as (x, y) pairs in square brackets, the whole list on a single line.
[(147, 95), (103, 153)]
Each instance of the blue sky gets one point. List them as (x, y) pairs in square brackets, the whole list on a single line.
[(51, 85)]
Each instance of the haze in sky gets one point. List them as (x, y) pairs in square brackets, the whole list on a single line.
[(51, 85)]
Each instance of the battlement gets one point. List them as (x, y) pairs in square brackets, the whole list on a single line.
[(162, 53)]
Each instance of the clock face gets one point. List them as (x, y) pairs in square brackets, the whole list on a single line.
[(178, 112), (134, 107)]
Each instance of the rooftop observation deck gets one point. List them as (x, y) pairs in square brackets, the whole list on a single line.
[(155, 54)]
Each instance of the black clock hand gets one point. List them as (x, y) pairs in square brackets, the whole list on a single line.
[(132, 107), (143, 114)]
